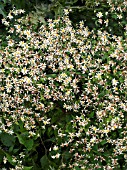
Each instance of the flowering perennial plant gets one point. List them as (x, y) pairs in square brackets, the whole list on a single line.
[(63, 96)]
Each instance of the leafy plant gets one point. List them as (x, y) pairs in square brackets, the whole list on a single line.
[(63, 93)]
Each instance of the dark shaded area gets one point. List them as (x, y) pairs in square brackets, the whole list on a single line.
[(82, 10)]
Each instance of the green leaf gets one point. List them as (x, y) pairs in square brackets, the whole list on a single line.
[(103, 142), (102, 94), (50, 131), (114, 16), (27, 168), (10, 160), (27, 143), (20, 139), (7, 140), (77, 168), (121, 79), (2, 12), (44, 162), (42, 20), (95, 148), (36, 167), (91, 115), (42, 98), (15, 150), (2, 153), (66, 155), (42, 80), (11, 148), (51, 139), (52, 75), (5, 1)]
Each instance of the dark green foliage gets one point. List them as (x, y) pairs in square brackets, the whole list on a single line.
[(40, 11)]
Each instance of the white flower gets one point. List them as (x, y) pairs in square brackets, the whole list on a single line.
[(55, 148), (106, 13), (21, 11), (93, 139), (10, 16), (106, 22), (22, 44), (24, 70), (10, 132), (46, 121), (66, 12), (4, 160), (27, 33), (22, 155), (27, 80), (6, 23), (57, 155), (68, 93), (99, 15), (119, 16), (18, 27), (125, 27), (84, 68), (98, 76), (10, 43), (53, 157), (63, 75), (114, 82), (54, 127)]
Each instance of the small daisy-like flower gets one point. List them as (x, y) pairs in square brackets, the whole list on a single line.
[(10, 43), (24, 70), (98, 76), (55, 148), (22, 44), (18, 27), (114, 82), (10, 16), (27, 33), (99, 15), (106, 22), (57, 155), (53, 156), (119, 16), (4, 160), (66, 11), (27, 80)]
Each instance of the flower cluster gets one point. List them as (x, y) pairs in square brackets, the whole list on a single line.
[(113, 18), (80, 74)]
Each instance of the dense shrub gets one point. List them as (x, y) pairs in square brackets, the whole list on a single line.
[(63, 96)]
